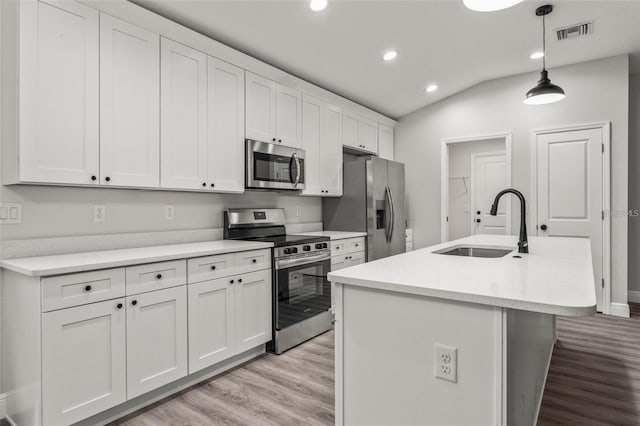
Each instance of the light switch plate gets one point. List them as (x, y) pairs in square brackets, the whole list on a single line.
[(10, 213)]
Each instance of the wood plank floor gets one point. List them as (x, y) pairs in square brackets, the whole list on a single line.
[(594, 379)]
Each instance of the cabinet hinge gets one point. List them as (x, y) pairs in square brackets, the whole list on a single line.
[(447, 218), (603, 148), (603, 283), (602, 214)]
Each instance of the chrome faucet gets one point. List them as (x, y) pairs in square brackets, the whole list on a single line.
[(523, 243)]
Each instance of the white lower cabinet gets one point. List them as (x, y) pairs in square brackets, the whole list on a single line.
[(211, 323), (253, 309), (345, 253), (83, 361), (156, 339)]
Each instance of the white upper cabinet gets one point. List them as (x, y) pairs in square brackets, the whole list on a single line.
[(129, 104), (322, 142), (59, 92), (183, 97), (225, 126), (360, 133), (385, 142), (273, 112)]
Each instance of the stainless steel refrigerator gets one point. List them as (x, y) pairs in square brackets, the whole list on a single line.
[(372, 202)]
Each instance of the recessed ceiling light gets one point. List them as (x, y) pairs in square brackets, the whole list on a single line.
[(390, 55), (537, 55), (318, 5), (431, 88), (490, 5)]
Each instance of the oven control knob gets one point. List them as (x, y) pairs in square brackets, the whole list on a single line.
[(325, 245), (287, 251), (319, 246), (294, 249), (306, 248)]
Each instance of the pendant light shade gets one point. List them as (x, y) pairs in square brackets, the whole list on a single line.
[(490, 5), (545, 92)]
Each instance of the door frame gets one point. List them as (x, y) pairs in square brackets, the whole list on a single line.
[(472, 194), (605, 128), (444, 173)]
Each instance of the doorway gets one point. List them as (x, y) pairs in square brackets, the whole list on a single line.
[(571, 193), (474, 170)]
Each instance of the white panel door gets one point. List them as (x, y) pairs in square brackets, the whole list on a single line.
[(312, 137), (570, 193), (369, 135), (351, 130), (331, 151), (59, 93), (385, 142), (260, 108), (488, 177), (253, 309), (183, 95), (211, 322), (288, 113), (226, 126), (156, 339), (129, 104), (83, 361)]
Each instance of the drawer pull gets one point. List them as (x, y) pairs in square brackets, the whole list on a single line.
[(213, 267), (159, 276), (254, 260), (231, 281), (357, 245), (87, 288), (119, 306), (134, 302), (240, 280)]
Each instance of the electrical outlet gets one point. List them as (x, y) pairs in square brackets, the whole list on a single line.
[(10, 213), (169, 212), (298, 211), (446, 363), (99, 213)]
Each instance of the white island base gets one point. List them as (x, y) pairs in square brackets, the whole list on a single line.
[(386, 360), (496, 314)]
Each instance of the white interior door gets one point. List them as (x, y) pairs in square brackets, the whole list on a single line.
[(488, 177), (570, 191)]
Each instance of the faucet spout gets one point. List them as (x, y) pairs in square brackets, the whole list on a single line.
[(523, 243)]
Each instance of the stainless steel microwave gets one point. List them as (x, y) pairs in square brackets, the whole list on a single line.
[(274, 166)]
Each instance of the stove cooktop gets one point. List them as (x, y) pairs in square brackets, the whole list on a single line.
[(289, 240)]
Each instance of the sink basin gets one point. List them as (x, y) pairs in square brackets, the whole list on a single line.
[(475, 251)]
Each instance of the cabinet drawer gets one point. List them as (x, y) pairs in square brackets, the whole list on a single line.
[(156, 276), (210, 267), (356, 258), (64, 291), (249, 261), (355, 245), (338, 248)]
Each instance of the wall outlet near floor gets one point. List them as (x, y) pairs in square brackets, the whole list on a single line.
[(169, 212), (99, 213), (10, 213), (446, 363)]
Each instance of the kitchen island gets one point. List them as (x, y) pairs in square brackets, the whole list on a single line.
[(486, 326)]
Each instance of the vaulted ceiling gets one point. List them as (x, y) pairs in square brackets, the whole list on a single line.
[(438, 41)]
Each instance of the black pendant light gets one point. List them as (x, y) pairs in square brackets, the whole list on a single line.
[(545, 92)]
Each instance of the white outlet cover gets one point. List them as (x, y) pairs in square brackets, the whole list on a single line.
[(446, 362), (99, 213), (169, 212)]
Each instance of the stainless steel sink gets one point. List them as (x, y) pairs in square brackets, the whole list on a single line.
[(475, 251)]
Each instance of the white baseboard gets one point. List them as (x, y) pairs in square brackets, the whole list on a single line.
[(620, 310), (634, 296)]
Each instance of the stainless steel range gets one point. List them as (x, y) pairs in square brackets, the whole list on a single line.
[(301, 291)]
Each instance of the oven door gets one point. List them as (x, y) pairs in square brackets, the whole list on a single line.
[(302, 289), (271, 166)]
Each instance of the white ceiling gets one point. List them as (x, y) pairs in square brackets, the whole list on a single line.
[(439, 41)]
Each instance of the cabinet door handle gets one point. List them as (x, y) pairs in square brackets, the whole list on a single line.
[(213, 267), (280, 140), (94, 177), (159, 276), (119, 306), (231, 282), (108, 179), (254, 260), (87, 288), (274, 139), (239, 280), (134, 302), (204, 183), (212, 185)]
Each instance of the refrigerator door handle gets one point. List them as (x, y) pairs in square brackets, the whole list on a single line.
[(388, 217), (393, 214)]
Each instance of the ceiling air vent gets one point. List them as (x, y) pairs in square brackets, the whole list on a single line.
[(573, 31)]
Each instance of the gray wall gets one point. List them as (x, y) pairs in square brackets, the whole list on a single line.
[(597, 91), (634, 181)]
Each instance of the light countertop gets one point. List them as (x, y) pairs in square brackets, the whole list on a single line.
[(80, 262), (556, 277), (335, 235)]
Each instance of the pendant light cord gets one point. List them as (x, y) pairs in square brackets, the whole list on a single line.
[(544, 44)]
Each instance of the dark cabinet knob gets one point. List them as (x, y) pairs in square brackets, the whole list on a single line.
[(274, 139), (239, 280), (134, 302), (280, 140), (94, 178), (204, 183), (108, 179), (478, 220), (212, 185), (158, 276), (231, 281), (478, 212), (87, 288), (119, 306), (543, 227), (213, 267), (254, 260)]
